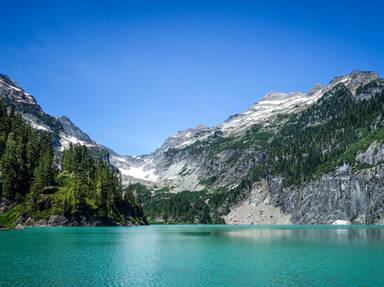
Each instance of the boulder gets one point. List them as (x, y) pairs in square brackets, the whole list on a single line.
[(57, 220), (19, 227)]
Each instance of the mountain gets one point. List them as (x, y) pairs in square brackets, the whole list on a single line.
[(52, 173), (63, 130), (299, 157), (162, 168)]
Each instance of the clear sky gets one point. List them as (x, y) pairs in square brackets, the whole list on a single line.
[(131, 73)]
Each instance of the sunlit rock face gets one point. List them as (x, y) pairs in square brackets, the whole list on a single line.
[(373, 155)]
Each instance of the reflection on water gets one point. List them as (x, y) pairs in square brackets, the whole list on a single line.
[(342, 235), (333, 234)]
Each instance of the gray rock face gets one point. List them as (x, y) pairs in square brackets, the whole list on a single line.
[(355, 196), (25, 104), (10, 92), (343, 195), (57, 220), (258, 208), (72, 130), (61, 220), (373, 155)]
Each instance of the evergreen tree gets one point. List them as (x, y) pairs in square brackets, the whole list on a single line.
[(9, 169), (44, 174)]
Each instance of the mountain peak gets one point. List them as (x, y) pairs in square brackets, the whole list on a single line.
[(355, 79), (7, 80), (72, 130), (318, 88), (12, 93), (274, 103)]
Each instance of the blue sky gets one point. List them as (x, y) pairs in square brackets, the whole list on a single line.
[(131, 73)]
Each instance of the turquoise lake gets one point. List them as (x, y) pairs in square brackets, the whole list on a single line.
[(193, 255)]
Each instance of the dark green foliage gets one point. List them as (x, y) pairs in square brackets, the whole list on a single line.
[(316, 140), (24, 154), (183, 207), (87, 187), (92, 189), (81, 168), (209, 181), (44, 174), (9, 169)]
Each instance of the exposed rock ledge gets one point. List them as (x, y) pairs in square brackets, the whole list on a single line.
[(248, 213), (257, 209), (343, 196)]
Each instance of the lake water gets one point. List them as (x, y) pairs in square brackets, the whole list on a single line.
[(193, 255)]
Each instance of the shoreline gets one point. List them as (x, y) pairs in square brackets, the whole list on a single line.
[(256, 226)]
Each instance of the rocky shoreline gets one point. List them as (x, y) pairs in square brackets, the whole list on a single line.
[(61, 220)]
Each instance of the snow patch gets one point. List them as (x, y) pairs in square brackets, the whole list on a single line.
[(39, 127), (66, 141), (266, 109), (120, 159), (137, 168), (139, 172)]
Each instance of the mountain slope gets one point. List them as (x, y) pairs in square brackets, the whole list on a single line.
[(52, 173), (289, 158), (264, 118), (63, 130)]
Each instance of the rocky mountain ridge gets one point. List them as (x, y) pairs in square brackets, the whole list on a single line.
[(64, 131), (268, 112), (297, 157), (311, 157)]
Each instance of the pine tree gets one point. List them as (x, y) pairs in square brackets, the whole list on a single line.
[(44, 174), (9, 169), (102, 192)]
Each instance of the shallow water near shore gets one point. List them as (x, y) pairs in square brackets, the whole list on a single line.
[(193, 255)]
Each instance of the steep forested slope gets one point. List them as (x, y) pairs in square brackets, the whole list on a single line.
[(35, 191)]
